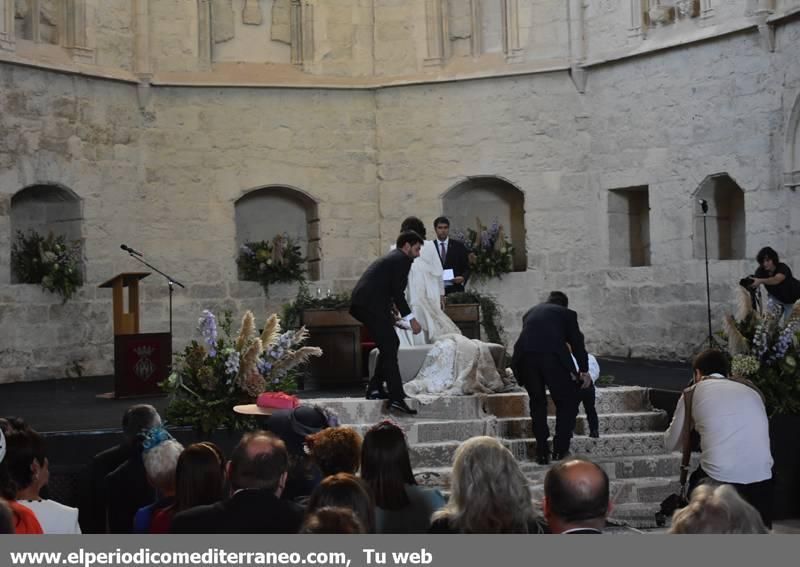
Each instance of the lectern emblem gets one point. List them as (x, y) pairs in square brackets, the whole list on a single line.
[(144, 367)]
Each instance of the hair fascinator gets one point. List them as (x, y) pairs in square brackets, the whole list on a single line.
[(155, 437)]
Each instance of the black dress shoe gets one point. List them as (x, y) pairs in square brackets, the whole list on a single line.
[(594, 434), (561, 456), (377, 395), (400, 405), (543, 459)]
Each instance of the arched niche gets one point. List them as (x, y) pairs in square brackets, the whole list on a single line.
[(725, 219), (489, 198), (276, 209), (791, 175), (46, 208)]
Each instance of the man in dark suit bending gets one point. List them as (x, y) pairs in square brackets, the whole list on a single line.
[(376, 298), (541, 358), (453, 255)]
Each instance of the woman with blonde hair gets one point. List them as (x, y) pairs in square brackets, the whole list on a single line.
[(490, 494), (717, 510)]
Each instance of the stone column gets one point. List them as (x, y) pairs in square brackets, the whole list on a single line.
[(476, 35), (511, 30), (7, 25), (638, 26), (435, 32), (204, 39), (141, 24), (706, 9), (74, 37)]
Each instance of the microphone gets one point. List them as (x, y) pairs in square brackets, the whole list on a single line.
[(130, 250), (703, 205)]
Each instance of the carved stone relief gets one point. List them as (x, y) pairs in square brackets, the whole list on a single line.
[(251, 13), (222, 24), (281, 29)]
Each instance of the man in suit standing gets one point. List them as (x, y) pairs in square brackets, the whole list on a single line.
[(376, 296), (541, 358), (576, 498), (257, 472), (453, 255)]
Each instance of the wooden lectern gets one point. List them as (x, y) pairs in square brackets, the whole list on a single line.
[(141, 360)]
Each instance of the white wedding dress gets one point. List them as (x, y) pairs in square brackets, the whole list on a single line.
[(455, 364)]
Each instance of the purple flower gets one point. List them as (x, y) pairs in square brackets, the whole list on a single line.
[(232, 364), (264, 366), (208, 328), (247, 251), (486, 241)]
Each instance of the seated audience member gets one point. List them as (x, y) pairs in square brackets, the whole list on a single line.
[(335, 450), (6, 518), (576, 498), (401, 505), (257, 471), (717, 510), (115, 496), (730, 416), (30, 471), (490, 494), (23, 519), (199, 480), (293, 426), (332, 520), (344, 490), (160, 454)]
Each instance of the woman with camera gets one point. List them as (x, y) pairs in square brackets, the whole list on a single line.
[(777, 278)]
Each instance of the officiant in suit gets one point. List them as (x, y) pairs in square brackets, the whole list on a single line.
[(453, 255), (376, 298), (541, 358)]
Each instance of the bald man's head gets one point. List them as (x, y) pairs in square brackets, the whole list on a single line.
[(576, 494), (260, 460)]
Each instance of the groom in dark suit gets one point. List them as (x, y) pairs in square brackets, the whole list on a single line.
[(377, 296), (541, 358), (453, 255)]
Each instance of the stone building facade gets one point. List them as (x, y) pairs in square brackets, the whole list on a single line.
[(590, 128)]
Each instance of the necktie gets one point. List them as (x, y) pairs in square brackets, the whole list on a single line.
[(443, 246)]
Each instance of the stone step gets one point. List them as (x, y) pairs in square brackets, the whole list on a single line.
[(625, 444), (622, 399), (431, 430), (631, 491), (640, 515), (632, 467)]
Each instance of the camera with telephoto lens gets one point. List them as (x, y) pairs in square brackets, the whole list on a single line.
[(746, 282)]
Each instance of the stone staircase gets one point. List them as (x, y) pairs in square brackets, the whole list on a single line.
[(630, 448)]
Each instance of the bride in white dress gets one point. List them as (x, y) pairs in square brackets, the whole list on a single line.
[(455, 365)]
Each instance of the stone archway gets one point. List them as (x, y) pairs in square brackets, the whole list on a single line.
[(277, 209), (46, 208), (489, 198), (727, 234)]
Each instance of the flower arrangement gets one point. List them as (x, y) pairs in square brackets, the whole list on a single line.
[(490, 253), (50, 261), (212, 376), (268, 262), (764, 349), (292, 312)]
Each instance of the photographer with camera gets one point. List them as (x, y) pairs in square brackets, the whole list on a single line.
[(777, 278)]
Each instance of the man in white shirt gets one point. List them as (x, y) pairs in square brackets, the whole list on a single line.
[(730, 417)]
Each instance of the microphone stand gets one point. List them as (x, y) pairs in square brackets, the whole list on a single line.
[(704, 207), (171, 282)]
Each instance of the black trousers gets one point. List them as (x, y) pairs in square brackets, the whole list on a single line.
[(381, 327), (547, 369), (586, 397), (757, 494)]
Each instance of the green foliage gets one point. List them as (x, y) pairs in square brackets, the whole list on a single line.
[(277, 261), (605, 380), (490, 312), (49, 261), (490, 253), (292, 312)]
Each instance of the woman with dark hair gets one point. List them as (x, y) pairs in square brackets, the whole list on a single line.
[(344, 490), (330, 520), (401, 505), (24, 471), (199, 480)]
